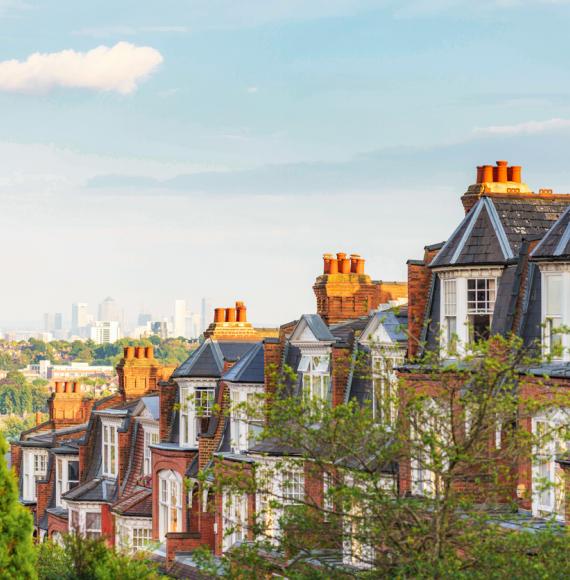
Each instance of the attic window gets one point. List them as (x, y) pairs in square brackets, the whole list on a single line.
[(480, 305), (316, 376)]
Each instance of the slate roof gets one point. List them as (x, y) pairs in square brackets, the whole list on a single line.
[(153, 406), (493, 231), (318, 327), (137, 504), (249, 369), (556, 243), (347, 329), (95, 490), (208, 360)]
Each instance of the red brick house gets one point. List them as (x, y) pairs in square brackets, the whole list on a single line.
[(503, 270)]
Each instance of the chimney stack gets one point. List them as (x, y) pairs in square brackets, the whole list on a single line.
[(139, 351), (149, 351), (219, 315), (502, 171)]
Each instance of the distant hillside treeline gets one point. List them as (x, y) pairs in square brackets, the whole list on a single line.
[(17, 355)]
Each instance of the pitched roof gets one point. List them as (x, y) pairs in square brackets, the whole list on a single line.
[(556, 243), (493, 231), (317, 326), (208, 360), (104, 490), (249, 369), (138, 503)]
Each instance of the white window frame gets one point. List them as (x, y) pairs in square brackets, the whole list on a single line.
[(188, 393), (35, 463), (316, 375), (243, 428), (77, 519), (151, 437), (552, 320), (110, 447), (453, 341), (63, 483), (293, 485), (385, 383), (235, 512), (133, 534), (169, 502), (549, 499)]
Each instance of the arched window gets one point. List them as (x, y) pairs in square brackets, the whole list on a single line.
[(170, 502)]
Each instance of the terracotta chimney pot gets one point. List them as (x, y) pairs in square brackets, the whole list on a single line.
[(344, 266), (333, 268), (230, 314), (515, 173), (479, 174), (58, 387), (219, 315), (76, 387), (487, 174), (38, 418), (340, 256), (327, 263), (241, 312), (502, 171), (360, 266), (139, 351), (129, 352), (354, 262), (149, 352), (68, 387)]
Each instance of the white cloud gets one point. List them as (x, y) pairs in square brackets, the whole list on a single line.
[(118, 68), (527, 128)]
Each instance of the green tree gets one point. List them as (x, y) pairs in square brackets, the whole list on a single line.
[(17, 554), (90, 559), (446, 428), (13, 426)]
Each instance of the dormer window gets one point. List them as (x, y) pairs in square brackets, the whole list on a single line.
[(151, 437), (67, 476), (196, 407), (316, 376), (467, 303), (110, 449), (246, 416), (552, 314), (35, 468)]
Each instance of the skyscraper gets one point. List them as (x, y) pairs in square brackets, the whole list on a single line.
[(205, 314), (180, 318), (79, 317), (109, 310)]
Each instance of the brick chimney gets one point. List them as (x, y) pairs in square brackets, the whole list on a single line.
[(345, 291), (139, 372), (231, 324), (67, 405)]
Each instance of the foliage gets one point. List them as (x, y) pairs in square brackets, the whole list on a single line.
[(17, 555), (11, 427), (17, 355), (460, 425), (90, 559), (19, 397)]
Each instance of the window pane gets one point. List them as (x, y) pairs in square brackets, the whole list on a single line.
[(554, 295)]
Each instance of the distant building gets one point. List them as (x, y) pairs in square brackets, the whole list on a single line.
[(206, 309), (79, 317), (105, 331), (44, 369), (144, 318), (109, 310), (53, 322), (179, 320)]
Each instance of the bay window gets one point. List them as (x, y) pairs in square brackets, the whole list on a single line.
[(385, 384), (481, 294), (110, 449), (316, 376), (553, 314), (34, 469), (134, 534), (170, 503), (234, 518), (85, 519), (93, 524), (293, 485)]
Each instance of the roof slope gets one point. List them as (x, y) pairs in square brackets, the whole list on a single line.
[(493, 231), (556, 243), (249, 369)]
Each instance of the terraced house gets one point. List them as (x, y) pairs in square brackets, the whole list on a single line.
[(129, 467), (503, 270)]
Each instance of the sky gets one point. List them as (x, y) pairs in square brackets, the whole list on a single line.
[(155, 150)]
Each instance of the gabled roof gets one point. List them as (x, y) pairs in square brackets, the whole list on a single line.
[(556, 243), (249, 369), (394, 322), (493, 231), (208, 360), (317, 327)]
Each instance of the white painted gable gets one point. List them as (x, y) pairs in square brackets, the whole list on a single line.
[(303, 333)]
